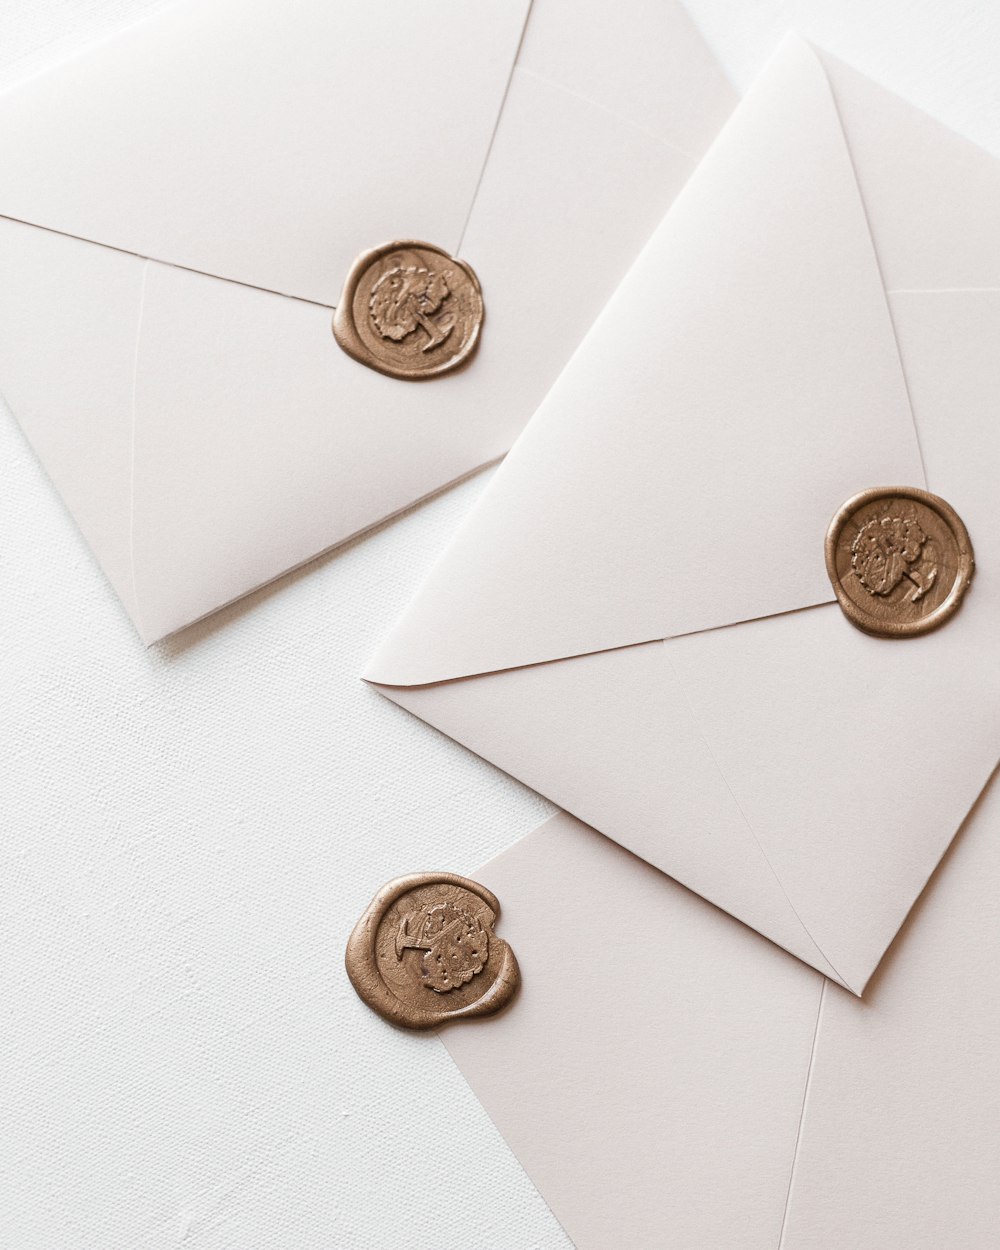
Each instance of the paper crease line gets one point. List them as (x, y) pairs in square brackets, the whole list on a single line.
[(609, 112), (878, 264), (159, 260), (802, 1116), (750, 829), (493, 135)]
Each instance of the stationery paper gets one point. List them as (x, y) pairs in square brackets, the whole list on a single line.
[(667, 1078), (636, 618), (181, 206)]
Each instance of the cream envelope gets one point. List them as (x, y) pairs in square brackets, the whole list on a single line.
[(181, 204), (667, 1079), (816, 314)]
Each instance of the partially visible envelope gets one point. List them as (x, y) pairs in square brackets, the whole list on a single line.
[(667, 1079), (180, 206), (619, 623)]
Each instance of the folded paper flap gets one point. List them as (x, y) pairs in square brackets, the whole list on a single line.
[(670, 1090), (845, 763), (909, 735), (606, 736), (643, 60), (903, 1101), (682, 472), (932, 197), (259, 481), (657, 1055), (229, 139), (853, 760), (260, 485), (225, 138), (228, 463), (51, 287), (850, 761)]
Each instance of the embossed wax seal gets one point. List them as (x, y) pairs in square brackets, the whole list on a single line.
[(899, 560), (409, 310), (425, 952)]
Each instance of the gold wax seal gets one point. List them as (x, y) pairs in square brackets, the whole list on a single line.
[(410, 310), (424, 952), (899, 560)]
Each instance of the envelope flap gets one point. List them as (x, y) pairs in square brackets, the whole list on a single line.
[(931, 196), (681, 473), (51, 285), (610, 737), (265, 143), (643, 60), (666, 1114)]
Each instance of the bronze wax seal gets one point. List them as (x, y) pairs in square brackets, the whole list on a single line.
[(899, 560), (410, 310), (425, 952)]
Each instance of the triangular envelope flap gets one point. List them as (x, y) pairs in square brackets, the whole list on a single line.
[(853, 760), (843, 764), (650, 1078), (610, 737), (57, 358), (263, 143), (932, 197), (279, 446), (643, 60), (855, 807), (707, 419), (256, 444)]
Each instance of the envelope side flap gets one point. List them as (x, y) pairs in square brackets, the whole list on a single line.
[(853, 786), (643, 60), (261, 143), (932, 197), (610, 738), (253, 428), (906, 1088), (656, 1055), (551, 235), (856, 759), (706, 420), (67, 375), (258, 444)]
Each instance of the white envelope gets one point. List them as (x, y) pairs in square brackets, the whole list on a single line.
[(619, 623), (178, 211), (667, 1079)]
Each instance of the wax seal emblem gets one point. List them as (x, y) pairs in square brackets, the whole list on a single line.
[(899, 559), (424, 952), (409, 310)]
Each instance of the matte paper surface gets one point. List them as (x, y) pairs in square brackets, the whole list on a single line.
[(251, 154), (815, 315)]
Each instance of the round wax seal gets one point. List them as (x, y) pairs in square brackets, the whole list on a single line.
[(899, 560), (410, 310), (424, 952)]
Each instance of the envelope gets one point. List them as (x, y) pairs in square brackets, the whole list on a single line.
[(667, 1079), (181, 205), (636, 619)]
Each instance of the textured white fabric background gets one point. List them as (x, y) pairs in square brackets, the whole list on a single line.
[(187, 834)]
